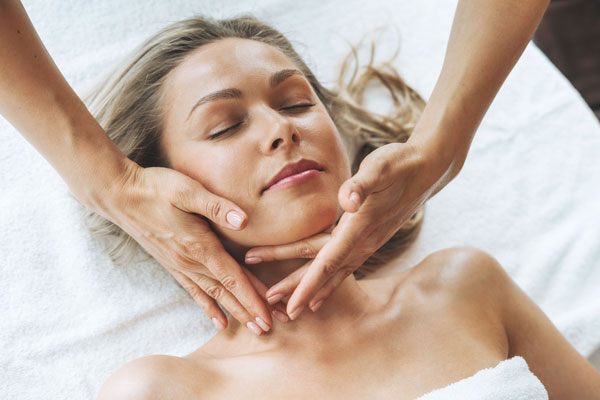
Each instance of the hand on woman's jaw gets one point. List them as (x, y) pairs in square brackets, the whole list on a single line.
[(234, 145)]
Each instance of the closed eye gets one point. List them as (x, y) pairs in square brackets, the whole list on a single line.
[(224, 131), (298, 106)]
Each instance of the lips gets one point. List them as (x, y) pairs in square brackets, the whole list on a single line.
[(293, 169)]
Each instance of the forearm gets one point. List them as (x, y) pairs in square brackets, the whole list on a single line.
[(486, 40), (38, 101)]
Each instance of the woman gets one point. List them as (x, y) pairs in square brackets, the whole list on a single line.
[(232, 105), (486, 40)]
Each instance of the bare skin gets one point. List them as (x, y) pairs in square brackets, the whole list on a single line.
[(394, 180), (440, 321), (156, 206), (445, 319)]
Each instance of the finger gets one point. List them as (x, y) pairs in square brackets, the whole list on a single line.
[(286, 286), (228, 272), (327, 263), (194, 198), (306, 248), (260, 287), (280, 313), (216, 291), (330, 286), (209, 305), (278, 309), (355, 190)]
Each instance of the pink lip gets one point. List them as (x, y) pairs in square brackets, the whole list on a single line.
[(294, 173), (295, 179)]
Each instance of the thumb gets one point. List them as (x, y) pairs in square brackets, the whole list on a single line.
[(355, 190), (193, 197)]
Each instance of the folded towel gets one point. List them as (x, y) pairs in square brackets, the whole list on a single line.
[(510, 379)]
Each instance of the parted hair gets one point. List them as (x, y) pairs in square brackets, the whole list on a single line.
[(127, 105)]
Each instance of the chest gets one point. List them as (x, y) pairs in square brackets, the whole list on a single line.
[(377, 368)]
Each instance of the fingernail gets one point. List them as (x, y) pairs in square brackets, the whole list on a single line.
[(254, 328), (280, 316), (253, 260), (296, 312), (317, 305), (265, 327), (355, 198), (275, 298), (218, 324), (235, 219)]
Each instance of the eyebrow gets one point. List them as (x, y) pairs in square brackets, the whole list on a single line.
[(234, 93)]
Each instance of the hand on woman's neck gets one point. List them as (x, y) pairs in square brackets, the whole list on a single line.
[(340, 310)]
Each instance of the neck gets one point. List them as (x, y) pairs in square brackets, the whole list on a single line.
[(348, 303)]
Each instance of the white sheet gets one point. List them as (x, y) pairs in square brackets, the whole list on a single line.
[(528, 194)]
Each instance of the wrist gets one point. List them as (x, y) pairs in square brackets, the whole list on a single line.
[(104, 184), (441, 157), (89, 162), (94, 168)]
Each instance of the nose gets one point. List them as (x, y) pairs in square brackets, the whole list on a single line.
[(279, 132)]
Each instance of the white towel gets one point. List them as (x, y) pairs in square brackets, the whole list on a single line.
[(528, 194), (509, 380)]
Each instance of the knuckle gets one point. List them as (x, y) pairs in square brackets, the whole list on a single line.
[(171, 254), (229, 283), (347, 271), (194, 250), (194, 291), (170, 257), (183, 195), (306, 250), (180, 261), (213, 209), (329, 268), (215, 292)]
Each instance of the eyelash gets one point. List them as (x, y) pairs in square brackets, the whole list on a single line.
[(233, 127)]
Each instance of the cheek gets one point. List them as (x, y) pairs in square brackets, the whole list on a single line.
[(217, 169), (329, 140), (293, 214), (282, 217), (290, 215)]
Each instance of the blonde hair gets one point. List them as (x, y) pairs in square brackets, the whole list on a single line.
[(127, 105)]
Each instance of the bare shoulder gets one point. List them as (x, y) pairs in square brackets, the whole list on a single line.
[(452, 274), (463, 267), (464, 288), (460, 273), (469, 290), (157, 377)]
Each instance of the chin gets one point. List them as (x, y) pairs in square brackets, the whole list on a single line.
[(292, 225), (305, 225)]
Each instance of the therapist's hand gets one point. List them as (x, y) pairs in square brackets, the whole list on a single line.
[(391, 184), (152, 205), (396, 179), (161, 209)]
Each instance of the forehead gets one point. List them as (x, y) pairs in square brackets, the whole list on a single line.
[(227, 63)]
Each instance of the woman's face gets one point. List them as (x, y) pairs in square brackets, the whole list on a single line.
[(237, 111)]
